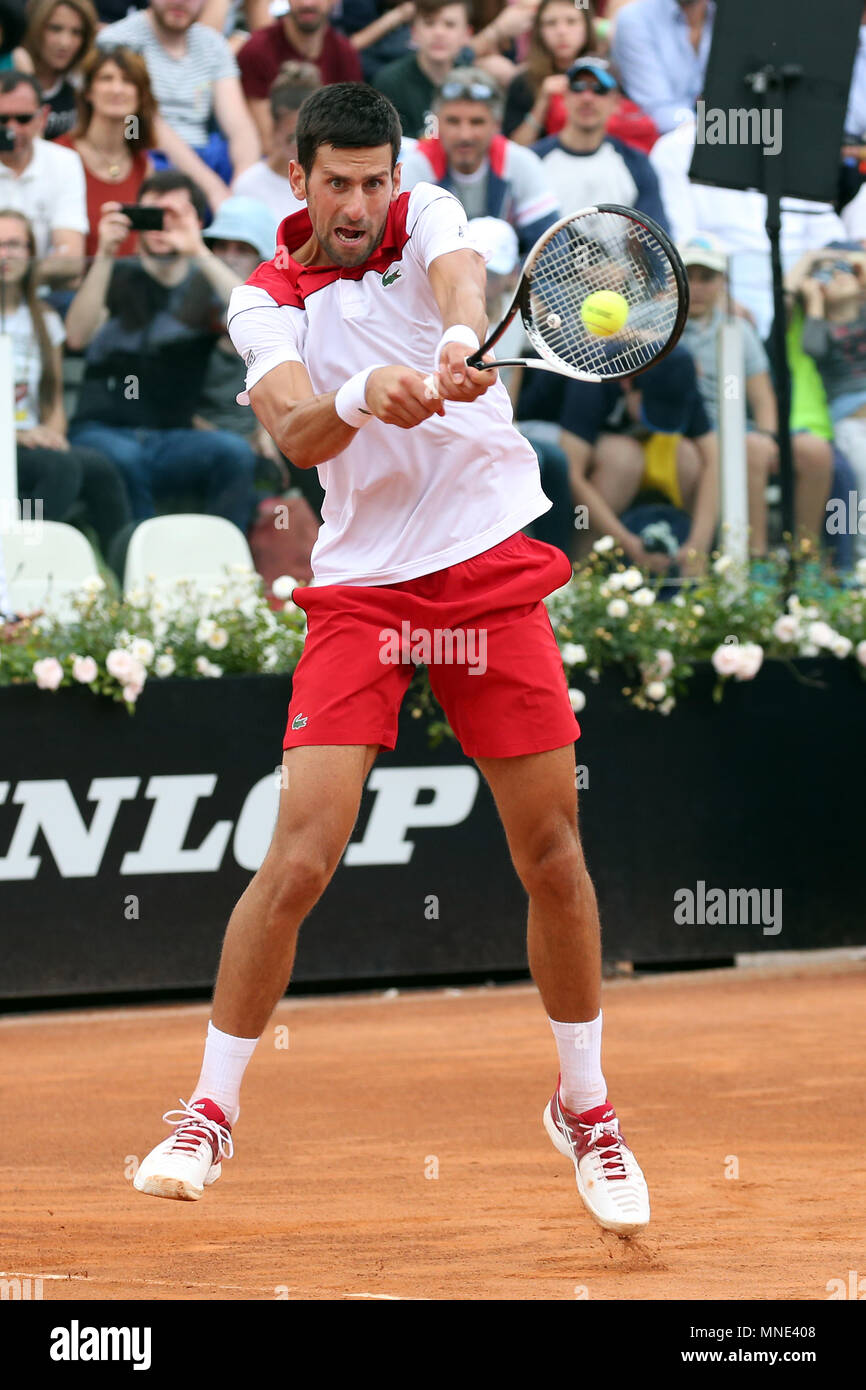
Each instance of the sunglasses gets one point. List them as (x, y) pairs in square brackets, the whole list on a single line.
[(827, 271), (20, 120), (589, 84), (466, 91)]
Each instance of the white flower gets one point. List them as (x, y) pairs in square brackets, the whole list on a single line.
[(242, 569), (821, 634), (656, 690), (207, 668), (94, 584), (632, 578), (793, 604), (142, 649), (85, 669), (786, 628), (131, 693), (124, 638), (249, 606), (139, 598), (842, 646), (811, 612), (679, 601), (644, 598), (119, 664), (205, 629), (578, 700), (270, 658), (664, 662), (165, 665), (606, 590), (860, 653), (604, 543), (809, 649), (723, 563), (283, 586), (726, 658), (698, 610), (617, 579), (617, 608), (667, 705), (216, 593), (573, 654), (218, 639), (289, 607), (48, 673), (860, 570), (751, 657)]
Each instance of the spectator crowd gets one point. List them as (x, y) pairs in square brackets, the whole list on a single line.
[(144, 170)]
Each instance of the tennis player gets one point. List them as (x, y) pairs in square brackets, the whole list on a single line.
[(370, 290)]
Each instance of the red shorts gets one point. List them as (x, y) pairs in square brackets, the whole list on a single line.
[(481, 629)]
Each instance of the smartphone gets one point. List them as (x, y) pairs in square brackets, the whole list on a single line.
[(143, 219), (7, 140)]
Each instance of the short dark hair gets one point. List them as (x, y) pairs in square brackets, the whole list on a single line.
[(12, 78), (167, 180), (292, 85), (427, 9), (349, 116)]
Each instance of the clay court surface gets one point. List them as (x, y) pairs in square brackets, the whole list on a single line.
[(757, 1070)]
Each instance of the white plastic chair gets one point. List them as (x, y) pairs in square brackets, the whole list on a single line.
[(46, 562), (188, 546)]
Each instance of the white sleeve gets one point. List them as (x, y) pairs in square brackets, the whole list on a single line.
[(69, 197), (54, 326), (265, 333), (436, 223)]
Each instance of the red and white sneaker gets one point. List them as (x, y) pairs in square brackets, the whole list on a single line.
[(609, 1180), (183, 1165)]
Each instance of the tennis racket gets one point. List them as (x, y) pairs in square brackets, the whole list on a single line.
[(605, 248)]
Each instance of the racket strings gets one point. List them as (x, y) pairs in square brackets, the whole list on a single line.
[(601, 251)]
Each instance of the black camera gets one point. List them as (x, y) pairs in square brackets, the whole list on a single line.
[(7, 139)]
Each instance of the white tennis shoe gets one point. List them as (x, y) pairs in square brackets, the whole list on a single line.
[(183, 1165), (609, 1180)]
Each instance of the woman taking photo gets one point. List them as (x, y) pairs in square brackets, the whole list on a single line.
[(59, 36), (115, 130), (49, 471)]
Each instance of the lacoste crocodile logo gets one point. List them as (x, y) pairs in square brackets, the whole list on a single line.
[(391, 274), (299, 721)]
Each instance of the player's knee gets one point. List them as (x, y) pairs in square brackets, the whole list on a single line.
[(554, 868), (295, 883)]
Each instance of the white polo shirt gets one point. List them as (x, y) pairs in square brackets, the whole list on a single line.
[(50, 191), (398, 503)]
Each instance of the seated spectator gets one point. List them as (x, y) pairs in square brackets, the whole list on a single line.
[(440, 35), (303, 34), (661, 48), (113, 135), (738, 218), (380, 30), (42, 180), (149, 326), (705, 259), (584, 165), (49, 471), (834, 335), (268, 180), (59, 36), (669, 448), (194, 78), (470, 157)]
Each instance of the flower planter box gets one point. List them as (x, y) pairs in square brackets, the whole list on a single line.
[(125, 840)]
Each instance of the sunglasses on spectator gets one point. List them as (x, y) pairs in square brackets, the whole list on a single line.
[(466, 91), (589, 84), (21, 120), (828, 270)]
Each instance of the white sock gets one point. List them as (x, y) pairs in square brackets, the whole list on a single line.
[(582, 1084), (222, 1070)]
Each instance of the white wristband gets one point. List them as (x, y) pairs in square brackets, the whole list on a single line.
[(350, 401), (458, 333)]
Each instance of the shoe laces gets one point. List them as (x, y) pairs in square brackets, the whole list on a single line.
[(188, 1121), (610, 1153)]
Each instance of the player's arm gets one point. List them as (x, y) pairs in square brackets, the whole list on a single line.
[(458, 280)]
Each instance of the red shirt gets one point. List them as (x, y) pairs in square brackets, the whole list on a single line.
[(101, 191), (267, 49)]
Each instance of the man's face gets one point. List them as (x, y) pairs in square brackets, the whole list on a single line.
[(466, 129), (176, 207), (590, 110), (177, 14), (348, 196), (705, 287), (441, 37), (21, 103), (284, 145), (310, 15), (839, 276)]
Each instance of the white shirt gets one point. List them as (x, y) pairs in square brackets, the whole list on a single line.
[(738, 218), (27, 361), (260, 181), (51, 191), (398, 503)]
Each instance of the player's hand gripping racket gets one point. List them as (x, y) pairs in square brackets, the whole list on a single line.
[(603, 294)]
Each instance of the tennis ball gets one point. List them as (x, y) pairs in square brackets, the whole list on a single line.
[(604, 312)]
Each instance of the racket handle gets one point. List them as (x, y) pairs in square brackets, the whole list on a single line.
[(431, 386), (431, 383)]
